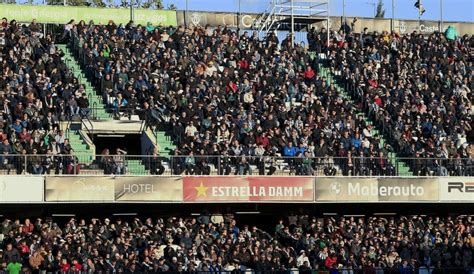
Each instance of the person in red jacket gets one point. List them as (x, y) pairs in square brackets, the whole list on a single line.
[(24, 136), (231, 87), (263, 140), (309, 74), (76, 266), (24, 248), (330, 261), (65, 266), (27, 228), (378, 100), (244, 64)]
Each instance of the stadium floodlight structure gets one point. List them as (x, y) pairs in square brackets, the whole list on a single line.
[(293, 15)]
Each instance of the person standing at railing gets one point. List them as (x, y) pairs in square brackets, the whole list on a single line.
[(439, 170), (225, 164), (307, 164), (119, 161), (107, 162), (177, 163), (52, 161), (35, 163), (154, 163), (458, 166), (20, 162), (259, 151), (66, 147), (361, 163), (202, 164), (5, 150), (348, 165), (190, 164), (244, 166), (270, 164), (290, 151)]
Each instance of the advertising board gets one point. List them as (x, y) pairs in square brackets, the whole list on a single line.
[(260, 189)]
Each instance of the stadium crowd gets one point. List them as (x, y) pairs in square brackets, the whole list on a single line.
[(417, 90), (37, 91), (218, 93), (218, 243)]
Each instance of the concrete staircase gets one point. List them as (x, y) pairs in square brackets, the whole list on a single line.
[(82, 150), (164, 143), (136, 167), (98, 110), (401, 167)]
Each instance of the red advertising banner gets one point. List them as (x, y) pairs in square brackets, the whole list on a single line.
[(235, 189)]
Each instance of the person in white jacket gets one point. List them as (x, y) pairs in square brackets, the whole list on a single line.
[(302, 258)]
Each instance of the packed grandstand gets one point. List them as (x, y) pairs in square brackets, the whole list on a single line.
[(220, 244), (230, 102), (366, 104)]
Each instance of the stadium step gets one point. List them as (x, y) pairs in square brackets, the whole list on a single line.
[(402, 167), (83, 151), (136, 167), (164, 143), (99, 111)]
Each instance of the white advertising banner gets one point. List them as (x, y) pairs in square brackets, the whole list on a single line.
[(456, 189), (345, 189), (21, 189)]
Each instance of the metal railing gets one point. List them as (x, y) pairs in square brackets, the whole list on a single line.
[(89, 126), (122, 164)]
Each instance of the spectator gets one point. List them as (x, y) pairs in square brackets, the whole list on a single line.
[(107, 162), (83, 104), (155, 164), (225, 94), (119, 161)]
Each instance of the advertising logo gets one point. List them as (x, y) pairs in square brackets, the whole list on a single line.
[(375, 189), (461, 187), (378, 190), (456, 189), (148, 189), (82, 185), (336, 188), (247, 189), (77, 188)]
